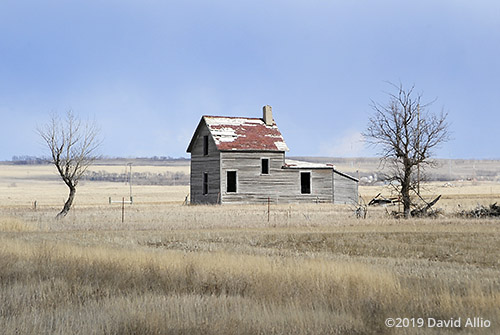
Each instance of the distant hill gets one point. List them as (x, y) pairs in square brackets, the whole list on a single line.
[(149, 161), (138, 161), (446, 169)]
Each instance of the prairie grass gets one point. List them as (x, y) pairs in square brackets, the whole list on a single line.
[(12, 224), (343, 278), (39, 278), (173, 269)]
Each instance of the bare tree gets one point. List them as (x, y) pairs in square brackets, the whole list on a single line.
[(73, 145), (407, 133)]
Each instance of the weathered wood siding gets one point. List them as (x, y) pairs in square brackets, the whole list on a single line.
[(322, 185), (345, 189), (201, 164), (280, 185)]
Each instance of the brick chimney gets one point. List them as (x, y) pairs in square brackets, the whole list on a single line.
[(268, 115)]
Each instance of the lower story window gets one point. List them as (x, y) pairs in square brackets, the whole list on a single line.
[(305, 182), (205, 183), (231, 181)]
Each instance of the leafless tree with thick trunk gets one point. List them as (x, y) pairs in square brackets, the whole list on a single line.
[(407, 133), (73, 145)]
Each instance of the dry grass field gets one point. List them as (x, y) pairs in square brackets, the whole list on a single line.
[(174, 269)]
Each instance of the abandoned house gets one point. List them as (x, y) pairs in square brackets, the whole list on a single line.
[(242, 160)]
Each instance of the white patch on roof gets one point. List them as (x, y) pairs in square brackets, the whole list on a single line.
[(272, 135), (224, 135), (281, 146), (227, 121), (293, 164)]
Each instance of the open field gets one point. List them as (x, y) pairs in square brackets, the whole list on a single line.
[(445, 169), (21, 185), (173, 269)]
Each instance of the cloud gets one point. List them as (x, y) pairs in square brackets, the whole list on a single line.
[(347, 144)]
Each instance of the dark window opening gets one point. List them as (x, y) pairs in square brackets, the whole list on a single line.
[(231, 181), (305, 182), (205, 183), (264, 166), (205, 145)]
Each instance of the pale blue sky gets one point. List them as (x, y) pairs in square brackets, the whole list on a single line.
[(147, 70)]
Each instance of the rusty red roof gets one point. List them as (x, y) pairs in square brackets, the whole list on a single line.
[(241, 133)]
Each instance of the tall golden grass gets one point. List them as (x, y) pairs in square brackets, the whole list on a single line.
[(342, 277)]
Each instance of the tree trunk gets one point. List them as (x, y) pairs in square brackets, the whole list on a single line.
[(68, 203), (405, 192)]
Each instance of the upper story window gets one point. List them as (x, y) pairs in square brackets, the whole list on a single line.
[(264, 166), (205, 145)]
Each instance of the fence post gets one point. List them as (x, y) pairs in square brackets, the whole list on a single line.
[(268, 208), (123, 209)]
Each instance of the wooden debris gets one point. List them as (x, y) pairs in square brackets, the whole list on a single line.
[(426, 210), (381, 200)]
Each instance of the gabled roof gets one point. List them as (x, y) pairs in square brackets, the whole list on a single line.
[(241, 134)]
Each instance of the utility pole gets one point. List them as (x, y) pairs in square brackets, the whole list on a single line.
[(130, 180)]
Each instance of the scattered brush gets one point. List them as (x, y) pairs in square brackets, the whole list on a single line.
[(424, 210), (481, 211)]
